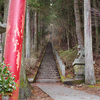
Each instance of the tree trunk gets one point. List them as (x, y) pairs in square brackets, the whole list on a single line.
[(33, 37), (96, 28), (27, 33), (6, 6), (36, 32), (59, 37), (32, 31), (89, 68), (78, 23), (39, 23), (24, 90), (41, 36), (67, 32), (41, 33)]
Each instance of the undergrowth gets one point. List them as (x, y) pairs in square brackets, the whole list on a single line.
[(31, 62), (68, 56)]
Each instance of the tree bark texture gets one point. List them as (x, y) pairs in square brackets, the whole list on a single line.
[(59, 37), (67, 33), (28, 33), (41, 33), (24, 90), (78, 23), (32, 31), (89, 68), (96, 28), (36, 32), (41, 36), (6, 6)]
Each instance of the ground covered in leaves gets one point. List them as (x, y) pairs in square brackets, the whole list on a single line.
[(38, 94)]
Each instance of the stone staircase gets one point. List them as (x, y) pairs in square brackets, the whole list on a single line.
[(48, 71)]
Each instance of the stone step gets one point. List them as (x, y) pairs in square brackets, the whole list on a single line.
[(47, 77), (48, 67), (48, 71), (51, 74), (48, 80), (46, 74), (44, 71)]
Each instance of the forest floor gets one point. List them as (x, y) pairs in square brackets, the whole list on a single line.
[(39, 94), (91, 89)]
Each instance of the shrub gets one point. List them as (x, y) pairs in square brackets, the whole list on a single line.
[(68, 56), (7, 83)]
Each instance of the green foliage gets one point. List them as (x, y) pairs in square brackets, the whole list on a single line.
[(7, 83), (69, 76), (38, 4), (33, 4), (63, 77), (68, 56), (1, 10), (1, 20), (63, 14), (61, 51), (93, 86), (44, 11), (1, 1)]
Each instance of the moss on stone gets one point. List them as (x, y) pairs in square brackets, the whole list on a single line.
[(93, 86), (78, 81)]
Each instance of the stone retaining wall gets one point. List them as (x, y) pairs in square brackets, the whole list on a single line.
[(61, 65)]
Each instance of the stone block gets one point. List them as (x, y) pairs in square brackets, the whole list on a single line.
[(61, 65), (79, 71)]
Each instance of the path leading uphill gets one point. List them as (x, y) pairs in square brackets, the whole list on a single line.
[(48, 71), (59, 91), (48, 80)]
